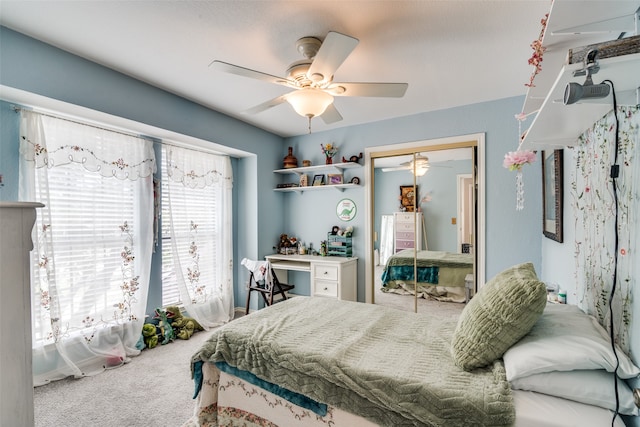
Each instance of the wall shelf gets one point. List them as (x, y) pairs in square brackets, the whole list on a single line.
[(335, 167), (598, 21), (338, 167), (339, 187), (558, 125)]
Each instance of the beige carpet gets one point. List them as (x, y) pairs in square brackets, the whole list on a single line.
[(407, 303), (155, 388)]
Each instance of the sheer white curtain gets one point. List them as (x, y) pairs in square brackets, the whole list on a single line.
[(93, 242), (591, 196), (199, 214)]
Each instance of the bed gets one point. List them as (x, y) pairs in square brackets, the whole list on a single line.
[(314, 361), (441, 275)]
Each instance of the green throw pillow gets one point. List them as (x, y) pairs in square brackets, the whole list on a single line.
[(500, 314)]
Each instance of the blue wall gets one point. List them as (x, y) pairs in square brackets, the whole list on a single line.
[(260, 214), (35, 67), (511, 237), (440, 182)]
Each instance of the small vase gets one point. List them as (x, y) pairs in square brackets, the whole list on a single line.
[(329, 160), (290, 161)]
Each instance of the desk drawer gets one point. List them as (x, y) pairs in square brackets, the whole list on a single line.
[(327, 272), (326, 288)]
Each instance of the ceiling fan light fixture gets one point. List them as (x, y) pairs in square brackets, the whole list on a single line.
[(309, 102), (420, 170), (421, 165)]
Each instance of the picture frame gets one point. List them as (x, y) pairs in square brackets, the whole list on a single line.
[(318, 180), (552, 195), (304, 180), (408, 195), (334, 178)]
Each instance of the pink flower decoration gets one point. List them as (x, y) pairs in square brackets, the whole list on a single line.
[(623, 251), (514, 160)]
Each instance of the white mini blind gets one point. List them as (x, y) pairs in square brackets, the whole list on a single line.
[(197, 206), (88, 211)]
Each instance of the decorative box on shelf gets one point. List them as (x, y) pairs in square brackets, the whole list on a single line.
[(339, 245)]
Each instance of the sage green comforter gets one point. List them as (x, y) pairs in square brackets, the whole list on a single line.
[(389, 366)]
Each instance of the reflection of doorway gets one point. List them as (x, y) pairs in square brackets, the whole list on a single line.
[(465, 212), (476, 143)]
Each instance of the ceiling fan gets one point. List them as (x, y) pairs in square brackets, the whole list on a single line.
[(312, 79)]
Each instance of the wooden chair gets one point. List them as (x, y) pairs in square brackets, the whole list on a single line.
[(262, 279)]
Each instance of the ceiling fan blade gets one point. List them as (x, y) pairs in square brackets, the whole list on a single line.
[(331, 115), (266, 105), (253, 74), (395, 169), (383, 90), (334, 50)]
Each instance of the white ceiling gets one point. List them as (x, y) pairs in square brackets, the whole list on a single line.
[(450, 53)]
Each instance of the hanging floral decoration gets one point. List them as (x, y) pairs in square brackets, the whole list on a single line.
[(538, 51), (515, 160)]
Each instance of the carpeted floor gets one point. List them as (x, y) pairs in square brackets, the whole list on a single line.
[(406, 302), (154, 388)]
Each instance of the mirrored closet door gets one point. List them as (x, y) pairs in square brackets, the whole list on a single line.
[(423, 224)]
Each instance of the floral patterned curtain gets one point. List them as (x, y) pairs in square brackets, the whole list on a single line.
[(92, 243), (593, 204), (199, 186)]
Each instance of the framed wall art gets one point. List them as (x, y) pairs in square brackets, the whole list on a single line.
[(552, 178), (408, 194), (334, 178)]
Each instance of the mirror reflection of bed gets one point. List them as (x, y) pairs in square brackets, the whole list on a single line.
[(439, 223)]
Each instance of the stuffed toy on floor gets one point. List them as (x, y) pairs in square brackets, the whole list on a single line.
[(168, 334), (183, 327)]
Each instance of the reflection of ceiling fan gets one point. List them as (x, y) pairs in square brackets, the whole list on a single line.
[(421, 165), (312, 79)]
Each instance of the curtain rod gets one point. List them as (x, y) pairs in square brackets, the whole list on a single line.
[(155, 140)]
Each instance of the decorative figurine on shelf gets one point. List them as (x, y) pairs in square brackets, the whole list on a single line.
[(290, 160), (329, 151), (352, 159)]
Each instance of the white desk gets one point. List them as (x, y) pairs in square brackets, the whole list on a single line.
[(330, 276)]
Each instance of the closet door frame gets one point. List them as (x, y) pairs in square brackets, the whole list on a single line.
[(473, 141)]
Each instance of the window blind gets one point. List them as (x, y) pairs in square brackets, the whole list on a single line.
[(198, 206), (88, 211)]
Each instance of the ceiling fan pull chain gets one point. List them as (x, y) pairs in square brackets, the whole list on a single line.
[(309, 124)]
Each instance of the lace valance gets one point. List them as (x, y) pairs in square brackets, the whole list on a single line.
[(196, 169), (109, 153)]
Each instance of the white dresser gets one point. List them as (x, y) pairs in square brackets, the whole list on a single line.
[(330, 276), (407, 231), (16, 377)]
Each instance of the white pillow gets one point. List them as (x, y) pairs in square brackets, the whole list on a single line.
[(565, 339), (593, 387)]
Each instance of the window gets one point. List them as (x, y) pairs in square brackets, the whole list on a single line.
[(196, 218)]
